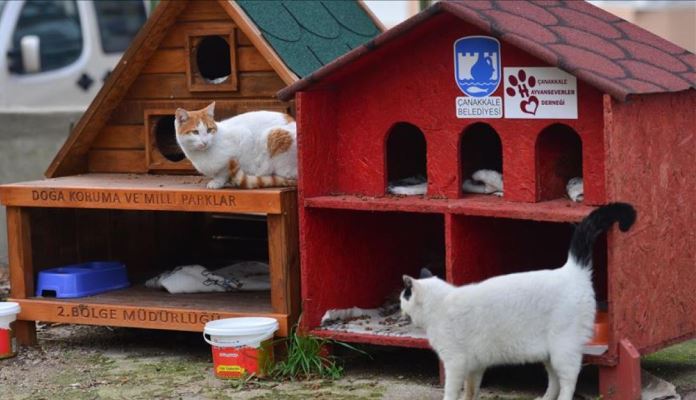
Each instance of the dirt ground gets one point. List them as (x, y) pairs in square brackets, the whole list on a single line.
[(90, 362)]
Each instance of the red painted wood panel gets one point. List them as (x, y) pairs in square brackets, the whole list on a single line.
[(412, 80), (651, 151), (356, 258)]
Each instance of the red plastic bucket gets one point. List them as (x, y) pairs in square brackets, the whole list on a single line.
[(241, 346), (8, 342)]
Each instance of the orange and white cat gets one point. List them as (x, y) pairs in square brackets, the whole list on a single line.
[(251, 150)]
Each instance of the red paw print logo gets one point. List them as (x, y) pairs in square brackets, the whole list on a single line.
[(529, 104)]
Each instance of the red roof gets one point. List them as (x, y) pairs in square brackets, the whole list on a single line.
[(611, 54)]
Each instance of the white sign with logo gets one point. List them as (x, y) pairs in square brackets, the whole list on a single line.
[(477, 74), (540, 92)]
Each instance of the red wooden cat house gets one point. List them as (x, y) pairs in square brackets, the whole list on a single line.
[(121, 189), (539, 92)]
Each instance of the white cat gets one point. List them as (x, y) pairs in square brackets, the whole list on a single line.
[(250, 150), (485, 181), (539, 316)]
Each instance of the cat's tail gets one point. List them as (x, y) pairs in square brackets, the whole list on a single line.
[(240, 179), (593, 225), (253, 182)]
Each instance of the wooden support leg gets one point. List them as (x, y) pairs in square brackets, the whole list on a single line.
[(21, 268), (622, 381), (283, 259)]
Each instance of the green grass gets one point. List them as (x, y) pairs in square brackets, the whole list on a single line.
[(308, 357), (676, 364)]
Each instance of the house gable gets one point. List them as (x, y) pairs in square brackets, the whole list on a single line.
[(161, 71)]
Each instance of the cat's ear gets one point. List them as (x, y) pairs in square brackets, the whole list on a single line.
[(210, 110), (408, 281), (425, 273), (181, 115)]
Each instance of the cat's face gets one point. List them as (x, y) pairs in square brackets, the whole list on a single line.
[(413, 296), (407, 301), (195, 130)]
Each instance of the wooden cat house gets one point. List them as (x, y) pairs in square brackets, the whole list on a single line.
[(540, 91), (121, 189)]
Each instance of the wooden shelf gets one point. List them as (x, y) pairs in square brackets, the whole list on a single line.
[(384, 340), (417, 343), (140, 307), (560, 210), (141, 192)]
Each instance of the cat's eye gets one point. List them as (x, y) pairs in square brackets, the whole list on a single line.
[(194, 132)]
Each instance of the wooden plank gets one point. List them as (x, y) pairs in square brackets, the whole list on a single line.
[(133, 111), (249, 60), (140, 192), (53, 239), (130, 161), (21, 267), (72, 157), (173, 86), (283, 256), (139, 307), (166, 61), (19, 252), (170, 61), (133, 242), (174, 61), (560, 210), (250, 29), (384, 340), (204, 11), (176, 37), (120, 137), (93, 244), (242, 38)]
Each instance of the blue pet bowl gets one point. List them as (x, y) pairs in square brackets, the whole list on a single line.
[(80, 280)]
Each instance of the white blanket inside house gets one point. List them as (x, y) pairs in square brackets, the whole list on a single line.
[(246, 276), (411, 186), (484, 181), (386, 320)]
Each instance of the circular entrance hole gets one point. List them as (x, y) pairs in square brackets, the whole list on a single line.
[(213, 59), (165, 139)]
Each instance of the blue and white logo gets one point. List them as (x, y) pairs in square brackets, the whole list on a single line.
[(477, 65)]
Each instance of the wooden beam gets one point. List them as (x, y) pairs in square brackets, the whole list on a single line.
[(21, 268), (120, 137), (120, 313), (283, 258), (142, 192)]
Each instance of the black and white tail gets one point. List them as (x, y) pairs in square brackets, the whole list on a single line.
[(594, 224)]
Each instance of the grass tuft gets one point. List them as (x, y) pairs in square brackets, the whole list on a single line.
[(308, 357)]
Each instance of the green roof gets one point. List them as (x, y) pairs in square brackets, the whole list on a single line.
[(309, 34)]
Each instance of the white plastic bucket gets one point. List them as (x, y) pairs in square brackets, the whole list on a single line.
[(241, 346), (8, 342)]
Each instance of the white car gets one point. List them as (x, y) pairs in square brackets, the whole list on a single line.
[(56, 54)]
